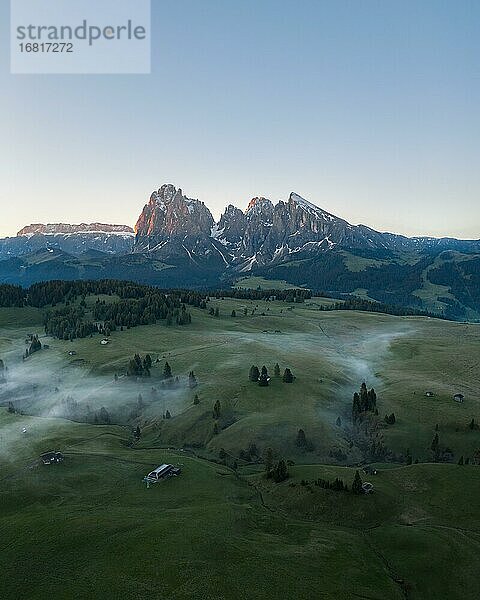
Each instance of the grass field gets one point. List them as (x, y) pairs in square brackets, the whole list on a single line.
[(89, 528), (254, 283)]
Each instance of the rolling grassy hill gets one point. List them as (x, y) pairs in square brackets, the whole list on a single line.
[(89, 528)]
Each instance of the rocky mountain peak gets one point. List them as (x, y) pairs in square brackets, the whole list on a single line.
[(231, 227), (170, 213), (259, 205)]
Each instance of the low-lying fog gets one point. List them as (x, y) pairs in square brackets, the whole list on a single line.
[(52, 384)]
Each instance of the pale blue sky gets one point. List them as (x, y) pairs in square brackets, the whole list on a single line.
[(370, 109)]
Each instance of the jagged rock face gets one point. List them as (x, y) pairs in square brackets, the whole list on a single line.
[(177, 229), (296, 226), (172, 225), (259, 217), (170, 214), (180, 231), (304, 226), (64, 228), (230, 230)]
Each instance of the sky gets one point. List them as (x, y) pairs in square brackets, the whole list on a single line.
[(369, 109)]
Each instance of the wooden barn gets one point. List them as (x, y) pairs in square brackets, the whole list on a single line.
[(162, 472)]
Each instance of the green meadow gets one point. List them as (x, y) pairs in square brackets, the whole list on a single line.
[(220, 530)]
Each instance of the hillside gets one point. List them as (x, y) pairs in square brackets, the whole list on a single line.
[(329, 353), (221, 517), (224, 536)]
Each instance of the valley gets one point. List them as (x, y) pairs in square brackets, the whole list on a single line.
[(222, 526)]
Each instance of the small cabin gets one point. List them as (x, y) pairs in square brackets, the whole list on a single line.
[(162, 472), (429, 394), (367, 487), (104, 342), (72, 353), (369, 470), (51, 457), (459, 397)]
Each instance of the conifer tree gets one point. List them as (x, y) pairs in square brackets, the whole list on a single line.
[(280, 471), (263, 379), (192, 380), (338, 422), (104, 416), (216, 409), (196, 399), (268, 459), (276, 370), (167, 414), (356, 408), (287, 376), (234, 314), (435, 447), (357, 484), (371, 400), (363, 397), (254, 374), (301, 440), (167, 371)]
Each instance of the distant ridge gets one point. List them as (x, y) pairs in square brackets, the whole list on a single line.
[(55, 228), (178, 243)]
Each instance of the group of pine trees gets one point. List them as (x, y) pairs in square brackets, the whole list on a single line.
[(138, 367), (275, 469), (149, 309), (250, 454), (290, 296), (365, 401), (70, 409), (355, 303), (67, 323), (134, 305), (337, 485), (262, 377), (468, 461), (11, 295)]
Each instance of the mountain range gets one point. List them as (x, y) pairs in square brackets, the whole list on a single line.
[(73, 239), (177, 242)]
